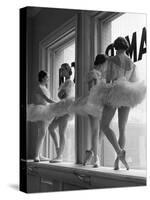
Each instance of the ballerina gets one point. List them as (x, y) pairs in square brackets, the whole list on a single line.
[(44, 111), (42, 98), (66, 90)]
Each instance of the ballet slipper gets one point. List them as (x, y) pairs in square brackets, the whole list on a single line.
[(96, 163), (43, 158), (121, 157), (88, 156), (116, 164), (36, 159), (56, 160)]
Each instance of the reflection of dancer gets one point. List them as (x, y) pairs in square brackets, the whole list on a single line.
[(42, 97), (66, 90)]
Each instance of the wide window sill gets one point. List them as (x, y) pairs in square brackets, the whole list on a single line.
[(101, 177)]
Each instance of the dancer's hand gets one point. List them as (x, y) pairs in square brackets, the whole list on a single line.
[(62, 94)]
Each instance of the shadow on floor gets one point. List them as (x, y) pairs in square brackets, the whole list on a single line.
[(14, 186)]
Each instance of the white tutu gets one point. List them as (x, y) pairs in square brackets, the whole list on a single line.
[(120, 93), (83, 107), (117, 94), (48, 112)]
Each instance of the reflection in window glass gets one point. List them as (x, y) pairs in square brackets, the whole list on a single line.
[(126, 25), (65, 54)]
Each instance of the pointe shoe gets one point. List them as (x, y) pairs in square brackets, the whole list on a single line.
[(121, 157), (116, 164), (88, 156), (96, 164), (43, 158), (37, 159), (56, 160)]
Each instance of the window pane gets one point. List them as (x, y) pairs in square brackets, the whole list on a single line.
[(131, 26), (65, 54)]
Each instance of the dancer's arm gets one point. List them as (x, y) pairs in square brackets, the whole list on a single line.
[(92, 78), (91, 83), (67, 89), (62, 94), (44, 96), (132, 74)]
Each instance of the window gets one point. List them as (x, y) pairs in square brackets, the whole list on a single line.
[(65, 54), (58, 48), (131, 26)]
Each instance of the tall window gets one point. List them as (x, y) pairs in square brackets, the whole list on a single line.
[(131, 26), (65, 54)]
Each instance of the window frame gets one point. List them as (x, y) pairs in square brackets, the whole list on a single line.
[(62, 43), (55, 40)]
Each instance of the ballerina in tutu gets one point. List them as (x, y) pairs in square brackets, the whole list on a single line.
[(133, 93), (47, 112), (42, 98), (66, 90)]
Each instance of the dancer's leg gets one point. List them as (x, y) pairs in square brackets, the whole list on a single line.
[(53, 133), (101, 135), (42, 128), (108, 114), (94, 122), (123, 113), (62, 130)]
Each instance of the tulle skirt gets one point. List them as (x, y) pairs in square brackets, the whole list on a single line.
[(117, 94), (120, 93), (48, 112), (83, 107)]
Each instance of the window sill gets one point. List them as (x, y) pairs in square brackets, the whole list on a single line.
[(86, 176)]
